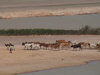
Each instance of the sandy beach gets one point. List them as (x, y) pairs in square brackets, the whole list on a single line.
[(22, 61)]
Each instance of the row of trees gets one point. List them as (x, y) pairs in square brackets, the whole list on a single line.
[(83, 30)]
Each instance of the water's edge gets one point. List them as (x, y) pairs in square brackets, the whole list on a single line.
[(81, 64)]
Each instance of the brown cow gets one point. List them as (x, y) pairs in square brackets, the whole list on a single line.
[(98, 46), (44, 45), (60, 41), (85, 44), (55, 46), (65, 44)]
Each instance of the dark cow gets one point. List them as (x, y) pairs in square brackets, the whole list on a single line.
[(76, 46)]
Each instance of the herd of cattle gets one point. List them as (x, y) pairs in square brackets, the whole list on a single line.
[(59, 44)]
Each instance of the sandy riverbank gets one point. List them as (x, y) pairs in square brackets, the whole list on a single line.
[(50, 12), (22, 61)]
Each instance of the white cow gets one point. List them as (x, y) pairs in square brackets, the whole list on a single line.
[(35, 46), (28, 46)]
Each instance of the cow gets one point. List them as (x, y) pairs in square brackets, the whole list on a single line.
[(85, 44), (75, 46)]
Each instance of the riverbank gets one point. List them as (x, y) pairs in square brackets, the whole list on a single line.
[(92, 68), (23, 61)]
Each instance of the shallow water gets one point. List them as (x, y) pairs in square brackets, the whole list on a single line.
[(15, 3), (51, 22), (92, 68)]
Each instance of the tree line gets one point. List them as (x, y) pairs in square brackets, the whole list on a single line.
[(84, 30)]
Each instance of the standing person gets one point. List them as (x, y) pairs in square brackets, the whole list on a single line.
[(11, 48)]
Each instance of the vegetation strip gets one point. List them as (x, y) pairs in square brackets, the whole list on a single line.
[(84, 30)]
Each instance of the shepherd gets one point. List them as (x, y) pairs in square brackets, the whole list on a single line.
[(11, 47)]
